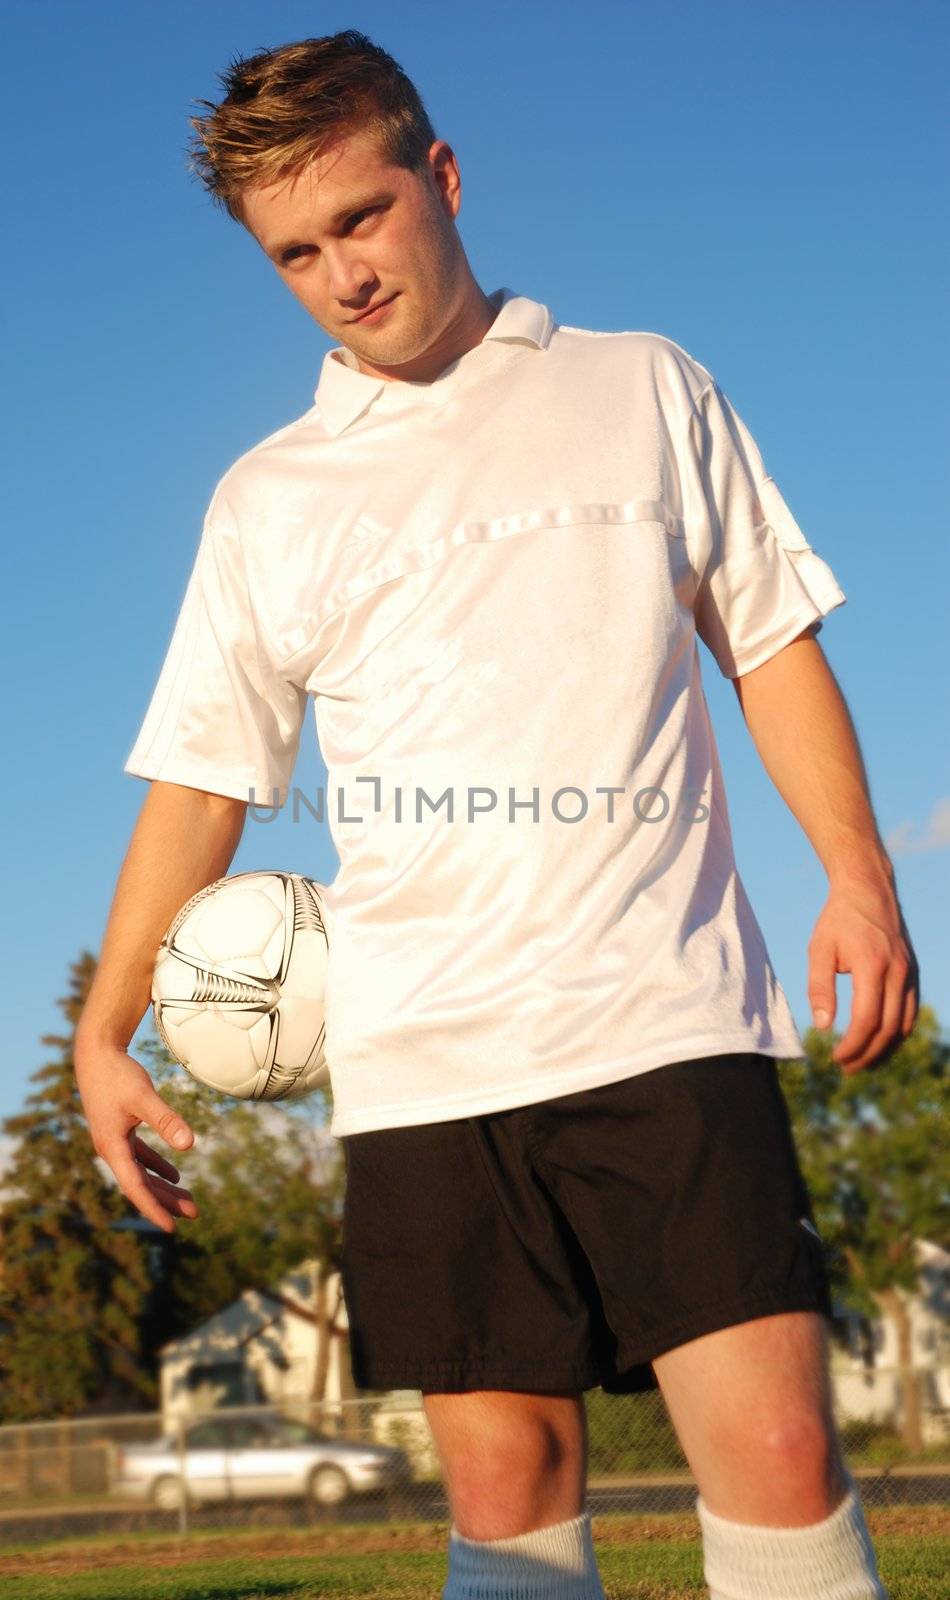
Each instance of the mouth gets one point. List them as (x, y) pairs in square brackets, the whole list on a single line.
[(371, 311)]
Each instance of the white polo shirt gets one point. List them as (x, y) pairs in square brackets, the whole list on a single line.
[(493, 586)]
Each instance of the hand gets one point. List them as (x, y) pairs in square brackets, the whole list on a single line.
[(118, 1096), (861, 931)]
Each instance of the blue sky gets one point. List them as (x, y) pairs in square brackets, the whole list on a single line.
[(764, 184)]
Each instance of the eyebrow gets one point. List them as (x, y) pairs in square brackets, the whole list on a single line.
[(348, 210)]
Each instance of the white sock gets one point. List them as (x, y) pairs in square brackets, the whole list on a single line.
[(555, 1563), (829, 1560)]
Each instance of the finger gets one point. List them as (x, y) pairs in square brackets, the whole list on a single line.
[(161, 1186), (878, 1050), (821, 986), (867, 999), (174, 1199), (911, 1007), (132, 1181), (166, 1191), (895, 994), (159, 1116), (151, 1158), (911, 991), (886, 1037)]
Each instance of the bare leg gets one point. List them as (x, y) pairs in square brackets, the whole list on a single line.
[(511, 1462), (752, 1408)]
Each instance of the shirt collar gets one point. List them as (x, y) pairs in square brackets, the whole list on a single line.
[(344, 392)]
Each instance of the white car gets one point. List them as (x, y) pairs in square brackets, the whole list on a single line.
[(254, 1458)]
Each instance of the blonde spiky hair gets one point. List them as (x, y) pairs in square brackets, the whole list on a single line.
[(284, 106)]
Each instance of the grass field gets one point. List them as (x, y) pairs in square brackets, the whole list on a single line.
[(640, 1558)]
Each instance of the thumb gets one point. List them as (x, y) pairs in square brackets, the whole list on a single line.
[(158, 1115), (821, 998)]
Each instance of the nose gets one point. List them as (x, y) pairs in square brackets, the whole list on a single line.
[(351, 283)]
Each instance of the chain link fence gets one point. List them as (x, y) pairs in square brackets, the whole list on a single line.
[(372, 1459)]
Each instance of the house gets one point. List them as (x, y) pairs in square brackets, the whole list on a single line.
[(263, 1349), (865, 1358)]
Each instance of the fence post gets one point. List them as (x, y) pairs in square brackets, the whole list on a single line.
[(24, 1473), (65, 1436), (182, 1461)]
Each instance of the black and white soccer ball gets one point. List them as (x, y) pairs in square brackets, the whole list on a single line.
[(239, 984)]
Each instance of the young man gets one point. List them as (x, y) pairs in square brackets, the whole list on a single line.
[(487, 552)]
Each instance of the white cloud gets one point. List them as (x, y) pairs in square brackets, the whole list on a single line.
[(910, 838)]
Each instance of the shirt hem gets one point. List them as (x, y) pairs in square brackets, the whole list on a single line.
[(526, 1091), (749, 659), (211, 781)]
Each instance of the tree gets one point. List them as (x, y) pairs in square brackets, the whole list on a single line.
[(75, 1283), (873, 1151), (270, 1197)]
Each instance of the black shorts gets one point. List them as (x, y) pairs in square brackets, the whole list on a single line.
[(564, 1245)]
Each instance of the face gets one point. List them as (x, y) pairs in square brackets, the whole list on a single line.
[(351, 231)]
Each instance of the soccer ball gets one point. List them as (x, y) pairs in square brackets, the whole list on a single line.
[(238, 986)]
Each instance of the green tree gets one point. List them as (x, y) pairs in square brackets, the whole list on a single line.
[(269, 1200), (74, 1282), (873, 1147)]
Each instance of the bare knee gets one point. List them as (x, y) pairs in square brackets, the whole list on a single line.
[(804, 1448), (787, 1472), (511, 1462)]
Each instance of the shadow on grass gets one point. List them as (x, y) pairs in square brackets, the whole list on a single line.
[(250, 1590)]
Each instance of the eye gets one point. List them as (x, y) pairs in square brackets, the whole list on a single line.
[(369, 212), (353, 222)]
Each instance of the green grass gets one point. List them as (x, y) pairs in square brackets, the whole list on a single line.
[(913, 1567)]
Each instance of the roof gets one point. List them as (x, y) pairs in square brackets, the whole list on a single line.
[(236, 1324)]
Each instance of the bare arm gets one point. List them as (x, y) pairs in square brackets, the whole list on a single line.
[(803, 732), (183, 839)]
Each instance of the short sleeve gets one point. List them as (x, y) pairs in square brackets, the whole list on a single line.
[(759, 583), (222, 715)]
